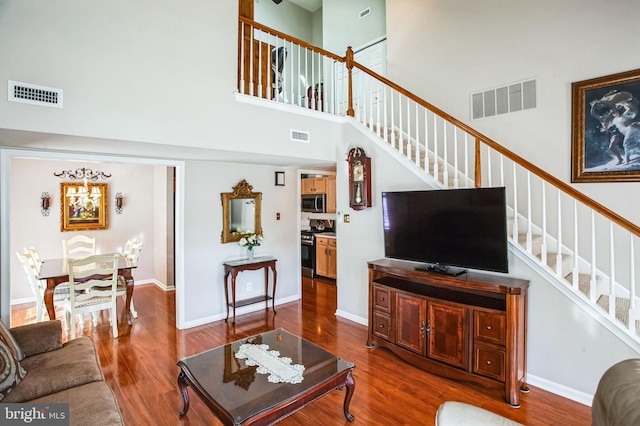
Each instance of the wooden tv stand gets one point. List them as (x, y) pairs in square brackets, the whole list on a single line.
[(468, 327)]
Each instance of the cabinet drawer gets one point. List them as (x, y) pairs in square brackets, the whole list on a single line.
[(489, 362), (332, 242), (382, 325), (381, 299), (490, 327)]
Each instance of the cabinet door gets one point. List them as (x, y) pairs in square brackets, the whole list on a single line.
[(321, 256), (332, 256), (411, 322), (331, 194), (447, 341), (306, 185)]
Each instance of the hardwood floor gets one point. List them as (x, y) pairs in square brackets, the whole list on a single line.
[(141, 367)]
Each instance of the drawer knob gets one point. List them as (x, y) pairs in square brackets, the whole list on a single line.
[(381, 325), (488, 362), (382, 299), (488, 327)]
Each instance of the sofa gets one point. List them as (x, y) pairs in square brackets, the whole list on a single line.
[(36, 367)]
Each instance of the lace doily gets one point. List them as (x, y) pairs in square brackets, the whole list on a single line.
[(270, 362)]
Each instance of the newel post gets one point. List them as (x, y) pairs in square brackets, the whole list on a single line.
[(349, 64)]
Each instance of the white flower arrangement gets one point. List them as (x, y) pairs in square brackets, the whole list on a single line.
[(250, 240)]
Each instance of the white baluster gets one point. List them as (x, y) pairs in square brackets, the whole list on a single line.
[(371, 102), (466, 158), (251, 65), (529, 234), (386, 128), (378, 102), (409, 143), (445, 149), (612, 278), (417, 137), (592, 282), (559, 249), (426, 141), (243, 55), (489, 173), (633, 316), (400, 125), (576, 254), (435, 146), (393, 123), (543, 253), (455, 157), (515, 205)]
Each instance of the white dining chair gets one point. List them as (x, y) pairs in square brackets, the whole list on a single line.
[(78, 247), (60, 294), (92, 294), (131, 252)]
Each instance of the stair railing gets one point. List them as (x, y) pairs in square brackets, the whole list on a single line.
[(578, 240)]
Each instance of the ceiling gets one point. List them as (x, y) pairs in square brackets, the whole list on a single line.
[(310, 5)]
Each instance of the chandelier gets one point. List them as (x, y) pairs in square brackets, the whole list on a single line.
[(82, 198)]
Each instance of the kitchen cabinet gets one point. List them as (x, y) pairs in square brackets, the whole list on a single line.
[(326, 255), (330, 186), (314, 185), (470, 327)]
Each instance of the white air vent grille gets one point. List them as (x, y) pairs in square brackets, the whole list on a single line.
[(365, 12), (502, 100), (300, 136), (33, 94)]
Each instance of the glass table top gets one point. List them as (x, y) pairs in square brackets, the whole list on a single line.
[(243, 392)]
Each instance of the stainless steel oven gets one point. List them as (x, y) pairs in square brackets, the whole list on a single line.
[(308, 253), (316, 203)]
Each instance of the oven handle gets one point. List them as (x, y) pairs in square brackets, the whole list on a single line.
[(307, 243)]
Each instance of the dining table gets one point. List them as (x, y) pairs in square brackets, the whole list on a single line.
[(56, 272)]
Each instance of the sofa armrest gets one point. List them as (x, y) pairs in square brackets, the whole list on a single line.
[(39, 337)]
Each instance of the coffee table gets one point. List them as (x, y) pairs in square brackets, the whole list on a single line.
[(238, 395)]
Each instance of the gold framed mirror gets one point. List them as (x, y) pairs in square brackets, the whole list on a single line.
[(241, 212)]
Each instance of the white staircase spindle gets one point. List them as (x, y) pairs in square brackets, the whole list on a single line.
[(515, 205), (426, 141), (260, 77), (466, 158), (543, 247), (435, 146), (529, 235), (559, 248), (501, 170), (243, 55), (417, 136), (489, 182), (632, 287), (400, 125), (576, 255), (371, 103), (455, 157), (409, 144), (592, 282), (251, 65), (612, 274), (445, 159), (378, 102), (393, 123)]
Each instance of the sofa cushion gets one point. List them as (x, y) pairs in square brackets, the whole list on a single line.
[(11, 372), (38, 337), (91, 404), (6, 335), (75, 364)]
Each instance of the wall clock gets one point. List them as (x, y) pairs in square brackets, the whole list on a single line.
[(359, 179)]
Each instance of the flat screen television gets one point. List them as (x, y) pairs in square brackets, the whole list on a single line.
[(447, 230)]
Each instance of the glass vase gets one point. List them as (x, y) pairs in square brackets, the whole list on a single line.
[(250, 252)]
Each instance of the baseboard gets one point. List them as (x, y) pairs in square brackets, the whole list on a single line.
[(351, 317), (561, 390)]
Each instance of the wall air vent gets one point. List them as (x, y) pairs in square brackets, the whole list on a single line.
[(502, 100), (300, 136), (33, 94), (365, 12)]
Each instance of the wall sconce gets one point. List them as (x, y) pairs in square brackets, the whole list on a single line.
[(45, 203), (119, 203), (279, 178)]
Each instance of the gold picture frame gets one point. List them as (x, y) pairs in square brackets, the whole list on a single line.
[(88, 216), (605, 131)]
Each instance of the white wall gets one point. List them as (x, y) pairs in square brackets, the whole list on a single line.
[(205, 254), (31, 177), (465, 46), (342, 26)]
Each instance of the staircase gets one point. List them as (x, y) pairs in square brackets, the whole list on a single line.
[(580, 246)]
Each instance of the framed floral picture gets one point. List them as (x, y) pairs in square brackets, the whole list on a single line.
[(83, 207), (605, 139)]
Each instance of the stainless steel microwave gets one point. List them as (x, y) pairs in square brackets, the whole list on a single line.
[(314, 203)]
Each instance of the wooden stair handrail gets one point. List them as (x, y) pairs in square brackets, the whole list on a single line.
[(295, 40), (564, 187)]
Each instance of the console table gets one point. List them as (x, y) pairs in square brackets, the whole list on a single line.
[(234, 267), (469, 327)]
